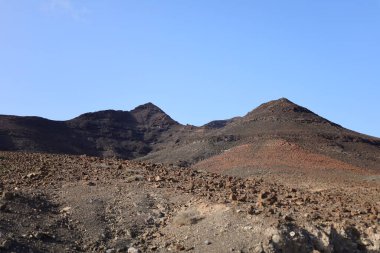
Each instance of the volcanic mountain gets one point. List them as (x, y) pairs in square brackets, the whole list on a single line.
[(278, 135), (104, 133)]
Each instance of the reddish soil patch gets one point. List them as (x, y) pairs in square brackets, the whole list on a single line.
[(272, 154)]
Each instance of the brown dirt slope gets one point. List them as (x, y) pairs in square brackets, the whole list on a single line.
[(272, 154)]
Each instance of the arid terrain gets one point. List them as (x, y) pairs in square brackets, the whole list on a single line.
[(279, 179), (63, 203)]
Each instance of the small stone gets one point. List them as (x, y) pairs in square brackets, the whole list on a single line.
[(372, 217), (157, 178), (232, 196), (30, 175), (65, 209), (6, 244), (3, 206), (41, 235), (251, 210), (258, 249), (154, 247), (242, 198), (8, 195), (110, 251), (179, 247), (133, 250), (207, 242), (276, 238), (288, 218), (292, 233)]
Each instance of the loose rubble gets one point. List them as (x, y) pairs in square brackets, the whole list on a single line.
[(89, 204)]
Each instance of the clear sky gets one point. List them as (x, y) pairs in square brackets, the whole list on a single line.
[(198, 60)]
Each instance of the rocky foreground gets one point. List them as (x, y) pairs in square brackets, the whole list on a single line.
[(62, 203)]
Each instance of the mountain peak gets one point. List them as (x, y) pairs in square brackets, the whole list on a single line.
[(152, 115), (147, 106), (281, 108), (281, 102)]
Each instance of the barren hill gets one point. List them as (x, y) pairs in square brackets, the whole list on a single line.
[(281, 135), (277, 134)]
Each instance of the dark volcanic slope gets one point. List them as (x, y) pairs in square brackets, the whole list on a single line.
[(104, 133), (277, 134), (35, 134)]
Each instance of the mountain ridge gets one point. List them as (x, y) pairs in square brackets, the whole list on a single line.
[(148, 133)]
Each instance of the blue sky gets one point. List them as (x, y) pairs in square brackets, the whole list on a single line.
[(198, 60)]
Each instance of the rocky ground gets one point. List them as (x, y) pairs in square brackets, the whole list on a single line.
[(63, 203)]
